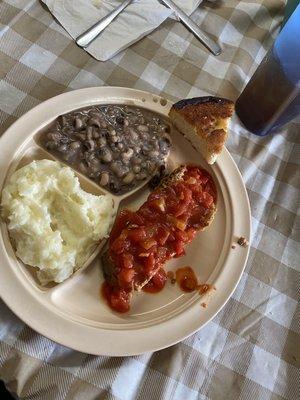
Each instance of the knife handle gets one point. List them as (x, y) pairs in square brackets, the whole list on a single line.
[(194, 28)]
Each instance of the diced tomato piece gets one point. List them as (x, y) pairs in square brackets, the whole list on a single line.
[(142, 255), (171, 237), (158, 204), (204, 179), (207, 199), (137, 234), (170, 192), (127, 260), (196, 219), (120, 223), (120, 244), (161, 255), (180, 224), (162, 236), (179, 248), (126, 275), (155, 195), (149, 263), (192, 181), (147, 244), (120, 302), (177, 223), (181, 208), (135, 218), (210, 188), (118, 299), (191, 233), (157, 283), (182, 236), (148, 214), (191, 171)]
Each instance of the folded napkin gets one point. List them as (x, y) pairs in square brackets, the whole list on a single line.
[(135, 22)]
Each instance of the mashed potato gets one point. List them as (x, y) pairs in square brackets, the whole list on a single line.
[(53, 223)]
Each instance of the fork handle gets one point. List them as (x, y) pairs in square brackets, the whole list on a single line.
[(90, 34)]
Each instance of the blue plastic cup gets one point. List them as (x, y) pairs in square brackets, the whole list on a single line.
[(272, 96)]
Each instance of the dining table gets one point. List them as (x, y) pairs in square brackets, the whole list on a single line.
[(251, 348)]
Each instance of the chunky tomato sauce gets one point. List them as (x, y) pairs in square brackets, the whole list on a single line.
[(141, 242), (157, 283), (188, 282), (186, 279)]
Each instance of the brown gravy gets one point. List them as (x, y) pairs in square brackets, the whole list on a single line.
[(117, 146)]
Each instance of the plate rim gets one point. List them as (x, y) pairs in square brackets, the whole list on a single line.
[(78, 339)]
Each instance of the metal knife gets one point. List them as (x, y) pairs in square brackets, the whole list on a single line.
[(194, 28)]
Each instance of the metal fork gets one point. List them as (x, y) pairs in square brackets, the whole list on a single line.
[(90, 34)]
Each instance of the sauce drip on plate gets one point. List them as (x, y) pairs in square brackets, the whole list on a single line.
[(186, 279), (188, 282)]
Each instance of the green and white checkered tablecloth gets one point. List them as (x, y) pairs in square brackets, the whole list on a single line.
[(251, 349)]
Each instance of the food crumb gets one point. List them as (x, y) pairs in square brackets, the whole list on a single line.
[(170, 274), (204, 305), (203, 288), (243, 242)]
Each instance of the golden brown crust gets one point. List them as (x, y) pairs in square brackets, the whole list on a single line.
[(202, 110), (174, 176)]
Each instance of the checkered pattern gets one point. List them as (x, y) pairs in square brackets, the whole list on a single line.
[(251, 350)]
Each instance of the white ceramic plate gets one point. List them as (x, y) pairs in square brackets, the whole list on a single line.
[(72, 313)]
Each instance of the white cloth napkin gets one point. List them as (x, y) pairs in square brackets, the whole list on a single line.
[(135, 22)]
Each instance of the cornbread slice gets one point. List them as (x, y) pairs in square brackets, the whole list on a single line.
[(204, 123)]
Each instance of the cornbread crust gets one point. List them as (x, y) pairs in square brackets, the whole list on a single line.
[(204, 122)]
